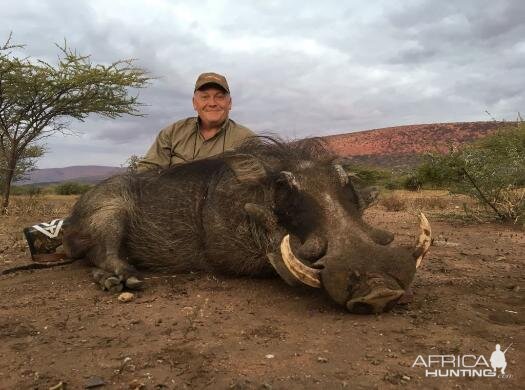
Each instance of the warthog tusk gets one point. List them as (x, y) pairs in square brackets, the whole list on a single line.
[(424, 239), (309, 276)]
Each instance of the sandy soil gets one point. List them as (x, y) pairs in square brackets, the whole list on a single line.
[(210, 331)]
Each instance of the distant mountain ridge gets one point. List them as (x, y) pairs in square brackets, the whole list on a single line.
[(77, 173), (398, 146), (404, 145)]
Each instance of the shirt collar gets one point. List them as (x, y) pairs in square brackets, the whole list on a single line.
[(223, 128)]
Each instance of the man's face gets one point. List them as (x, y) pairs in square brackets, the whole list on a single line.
[(212, 105)]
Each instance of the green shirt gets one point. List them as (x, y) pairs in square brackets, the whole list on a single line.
[(182, 142)]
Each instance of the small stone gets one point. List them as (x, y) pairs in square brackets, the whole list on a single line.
[(94, 381), (188, 310), (405, 378), (269, 356), (321, 359), (500, 258), (130, 368), (516, 288), (444, 243), (126, 297)]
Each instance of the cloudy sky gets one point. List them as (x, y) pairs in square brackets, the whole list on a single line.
[(294, 69)]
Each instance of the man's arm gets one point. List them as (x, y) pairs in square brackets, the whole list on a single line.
[(159, 154)]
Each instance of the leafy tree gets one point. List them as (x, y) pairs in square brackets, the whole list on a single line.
[(24, 166), (38, 99), (492, 170)]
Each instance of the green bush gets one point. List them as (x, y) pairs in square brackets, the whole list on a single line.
[(31, 190), (372, 176), (412, 183), (392, 184), (71, 188)]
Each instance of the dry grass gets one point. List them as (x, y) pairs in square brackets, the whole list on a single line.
[(431, 203), (393, 202), (46, 205), (426, 200)]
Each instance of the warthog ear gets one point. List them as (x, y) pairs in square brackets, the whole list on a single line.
[(247, 168), (341, 174)]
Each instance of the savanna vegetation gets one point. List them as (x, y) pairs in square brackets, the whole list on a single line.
[(490, 171), (38, 99)]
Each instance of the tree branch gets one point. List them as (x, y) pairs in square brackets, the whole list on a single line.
[(481, 194)]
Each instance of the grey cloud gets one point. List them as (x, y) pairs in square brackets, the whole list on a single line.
[(452, 26), (381, 64), (413, 55)]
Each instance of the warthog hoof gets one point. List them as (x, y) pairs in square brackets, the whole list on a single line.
[(113, 283), (134, 283)]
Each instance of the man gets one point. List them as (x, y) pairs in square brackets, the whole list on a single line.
[(208, 134)]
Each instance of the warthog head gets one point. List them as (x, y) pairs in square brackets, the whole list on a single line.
[(313, 212)]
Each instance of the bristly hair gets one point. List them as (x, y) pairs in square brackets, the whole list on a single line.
[(256, 157), (278, 154)]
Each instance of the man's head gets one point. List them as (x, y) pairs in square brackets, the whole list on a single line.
[(211, 99)]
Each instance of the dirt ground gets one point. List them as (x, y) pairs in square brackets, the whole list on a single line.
[(58, 330)]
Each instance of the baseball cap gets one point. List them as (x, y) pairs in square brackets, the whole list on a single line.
[(212, 78)]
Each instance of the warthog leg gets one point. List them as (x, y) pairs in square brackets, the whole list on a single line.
[(111, 272), (102, 218)]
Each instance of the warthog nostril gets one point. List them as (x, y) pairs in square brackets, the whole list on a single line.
[(378, 300)]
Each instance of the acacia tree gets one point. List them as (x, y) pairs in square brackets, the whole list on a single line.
[(25, 164), (38, 99)]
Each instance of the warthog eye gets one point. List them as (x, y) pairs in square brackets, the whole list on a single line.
[(296, 210)]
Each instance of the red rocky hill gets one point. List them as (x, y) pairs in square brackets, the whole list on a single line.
[(403, 145)]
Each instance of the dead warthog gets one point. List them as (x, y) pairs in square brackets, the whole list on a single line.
[(267, 207)]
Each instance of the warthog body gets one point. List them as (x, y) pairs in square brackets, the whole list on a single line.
[(267, 207)]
